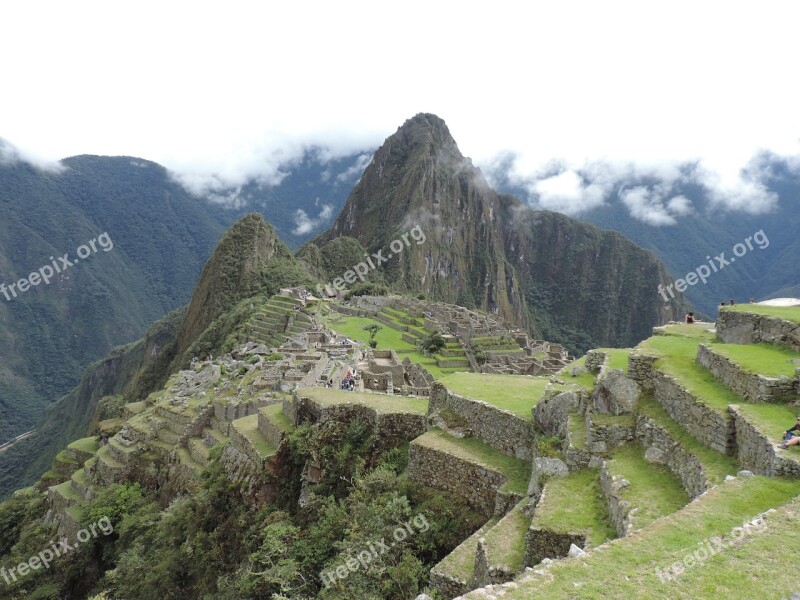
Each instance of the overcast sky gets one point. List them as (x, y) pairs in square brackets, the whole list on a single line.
[(583, 96)]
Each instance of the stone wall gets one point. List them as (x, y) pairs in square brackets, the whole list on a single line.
[(486, 573), (594, 360), (603, 434), (714, 429), (448, 586), (661, 448), (391, 429), (475, 484), (757, 453), (545, 543), (751, 386), (501, 429), (619, 509), (737, 327)]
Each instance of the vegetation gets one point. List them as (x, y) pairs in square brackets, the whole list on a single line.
[(515, 393)]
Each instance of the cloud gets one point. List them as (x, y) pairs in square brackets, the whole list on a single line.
[(10, 155), (306, 224), (653, 206), (357, 169), (608, 99)]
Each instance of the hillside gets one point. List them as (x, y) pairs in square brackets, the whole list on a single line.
[(557, 275), (146, 267), (631, 455)]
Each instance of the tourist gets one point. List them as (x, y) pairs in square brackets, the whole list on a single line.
[(792, 435), (731, 302), (689, 318)]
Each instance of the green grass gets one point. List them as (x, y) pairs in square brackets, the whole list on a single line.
[(696, 330), (460, 563), (382, 403), (678, 360), (65, 489), (790, 313), (585, 380), (248, 427), (505, 542), (388, 339), (575, 504), (716, 465), (276, 416), (471, 449), (577, 430), (766, 359), (653, 489), (763, 566), (515, 393), (617, 357), (772, 420)]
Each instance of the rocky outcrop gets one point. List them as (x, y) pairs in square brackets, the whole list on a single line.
[(614, 393)]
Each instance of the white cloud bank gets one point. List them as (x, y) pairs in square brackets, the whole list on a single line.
[(586, 96)]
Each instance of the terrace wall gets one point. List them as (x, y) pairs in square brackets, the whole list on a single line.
[(736, 327), (500, 429), (477, 485), (757, 453), (751, 386)]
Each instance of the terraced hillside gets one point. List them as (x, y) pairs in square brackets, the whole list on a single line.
[(697, 417), (597, 481)]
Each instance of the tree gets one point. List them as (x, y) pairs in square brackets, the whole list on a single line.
[(432, 343), (373, 331)]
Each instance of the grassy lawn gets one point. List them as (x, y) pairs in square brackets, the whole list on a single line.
[(575, 504), (276, 416), (585, 380), (577, 430), (388, 338), (90, 445), (766, 359), (716, 465), (515, 393), (460, 563), (617, 357), (773, 420), (380, 402), (473, 450), (695, 330), (680, 353), (760, 565), (790, 313), (653, 489), (505, 542), (248, 427)]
